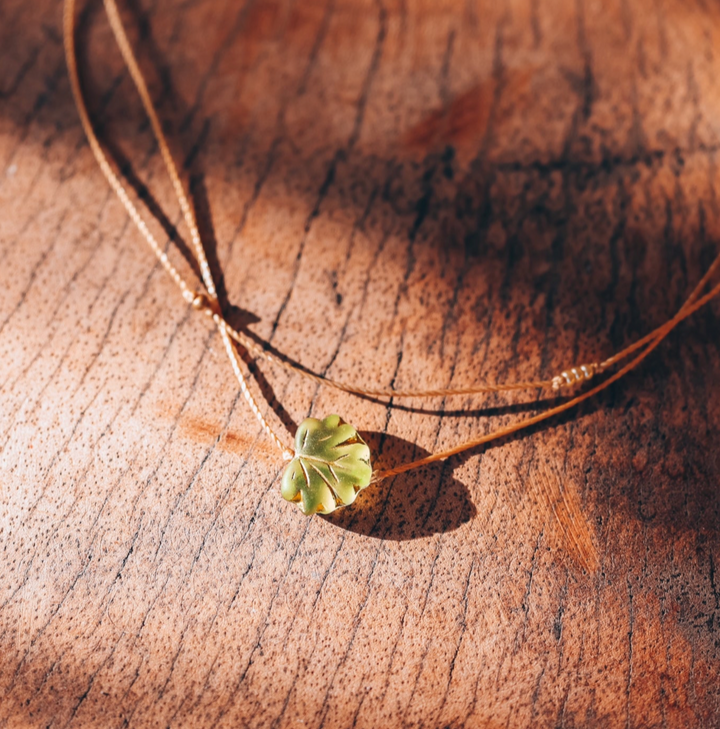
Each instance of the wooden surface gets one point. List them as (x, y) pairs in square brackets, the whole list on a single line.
[(407, 193)]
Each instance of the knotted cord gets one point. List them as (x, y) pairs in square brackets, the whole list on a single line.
[(207, 301)]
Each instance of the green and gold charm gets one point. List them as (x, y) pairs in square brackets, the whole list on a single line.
[(330, 467)]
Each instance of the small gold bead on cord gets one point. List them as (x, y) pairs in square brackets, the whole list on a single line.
[(203, 302), (574, 375)]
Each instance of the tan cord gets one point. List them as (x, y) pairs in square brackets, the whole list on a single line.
[(258, 351), (136, 75), (190, 296), (209, 303), (565, 378), (649, 337), (508, 430)]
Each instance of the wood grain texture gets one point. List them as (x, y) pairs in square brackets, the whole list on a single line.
[(403, 193)]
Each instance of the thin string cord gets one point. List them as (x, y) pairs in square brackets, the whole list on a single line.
[(649, 337), (129, 57), (568, 377), (259, 352), (243, 339), (101, 159), (210, 305), (189, 295), (527, 422)]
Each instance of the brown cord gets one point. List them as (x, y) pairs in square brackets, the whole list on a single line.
[(190, 296), (208, 302), (508, 430)]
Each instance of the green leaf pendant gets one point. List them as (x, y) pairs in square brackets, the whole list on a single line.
[(331, 465)]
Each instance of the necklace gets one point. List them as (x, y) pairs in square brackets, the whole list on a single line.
[(329, 463)]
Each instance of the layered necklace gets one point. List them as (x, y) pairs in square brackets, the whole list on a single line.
[(328, 462)]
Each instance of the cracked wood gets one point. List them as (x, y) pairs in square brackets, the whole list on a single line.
[(398, 193)]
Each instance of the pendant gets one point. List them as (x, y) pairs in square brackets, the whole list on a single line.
[(330, 467)]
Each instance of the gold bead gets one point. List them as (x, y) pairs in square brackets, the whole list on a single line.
[(202, 302)]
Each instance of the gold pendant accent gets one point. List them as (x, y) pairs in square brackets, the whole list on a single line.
[(330, 467)]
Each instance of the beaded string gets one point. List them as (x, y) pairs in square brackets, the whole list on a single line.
[(660, 333), (207, 301)]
